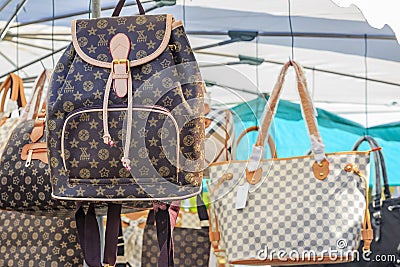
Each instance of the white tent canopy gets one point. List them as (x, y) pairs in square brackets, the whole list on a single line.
[(327, 38)]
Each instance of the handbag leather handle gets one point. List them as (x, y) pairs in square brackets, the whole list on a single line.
[(6, 84), (271, 143), (121, 4), (17, 91), (321, 165), (380, 168), (17, 94), (36, 95), (305, 98)]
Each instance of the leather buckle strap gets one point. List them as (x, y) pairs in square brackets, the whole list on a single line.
[(120, 61)]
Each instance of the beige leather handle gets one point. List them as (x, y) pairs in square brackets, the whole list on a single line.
[(36, 95), (6, 84), (321, 165), (306, 104), (15, 83), (271, 143)]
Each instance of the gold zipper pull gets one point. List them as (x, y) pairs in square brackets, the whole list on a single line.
[(29, 158)]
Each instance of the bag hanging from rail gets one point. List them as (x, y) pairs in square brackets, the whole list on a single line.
[(25, 178), (125, 120), (385, 213), (14, 83), (307, 204)]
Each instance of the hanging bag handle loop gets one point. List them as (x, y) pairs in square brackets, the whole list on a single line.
[(306, 104), (380, 169), (121, 4), (271, 143), (36, 96), (321, 166), (17, 94), (380, 174)]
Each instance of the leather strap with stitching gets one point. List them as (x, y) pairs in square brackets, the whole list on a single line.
[(305, 98)]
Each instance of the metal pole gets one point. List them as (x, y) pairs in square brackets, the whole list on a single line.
[(96, 9), (304, 35), (5, 5), (11, 20), (96, 13), (35, 61), (305, 67)]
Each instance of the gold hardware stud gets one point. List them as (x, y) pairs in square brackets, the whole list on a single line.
[(348, 167)]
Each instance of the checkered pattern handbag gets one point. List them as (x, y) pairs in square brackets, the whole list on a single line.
[(292, 210)]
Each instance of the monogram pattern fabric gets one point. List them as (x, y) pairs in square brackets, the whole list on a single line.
[(290, 209), (31, 240), (146, 34), (82, 165), (25, 187)]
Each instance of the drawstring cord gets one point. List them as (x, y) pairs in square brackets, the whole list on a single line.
[(107, 137), (125, 161)]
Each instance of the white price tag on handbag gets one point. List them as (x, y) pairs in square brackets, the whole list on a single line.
[(241, 196)]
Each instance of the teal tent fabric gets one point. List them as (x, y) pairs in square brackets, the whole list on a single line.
[(339, 134)]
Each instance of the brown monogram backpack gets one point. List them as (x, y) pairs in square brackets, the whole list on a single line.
[(125, 124)]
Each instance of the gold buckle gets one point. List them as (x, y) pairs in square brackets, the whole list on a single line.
[(120, 61)]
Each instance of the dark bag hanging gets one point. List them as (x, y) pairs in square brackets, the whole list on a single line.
[(25, 176), (126, 126), (385, 215)]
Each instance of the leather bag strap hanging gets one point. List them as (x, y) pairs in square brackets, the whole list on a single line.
[(15, 84)]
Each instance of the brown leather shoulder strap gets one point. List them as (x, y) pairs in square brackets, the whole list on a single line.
[(271, 142)]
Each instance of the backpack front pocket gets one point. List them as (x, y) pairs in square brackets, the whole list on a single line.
[(153, 150)]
